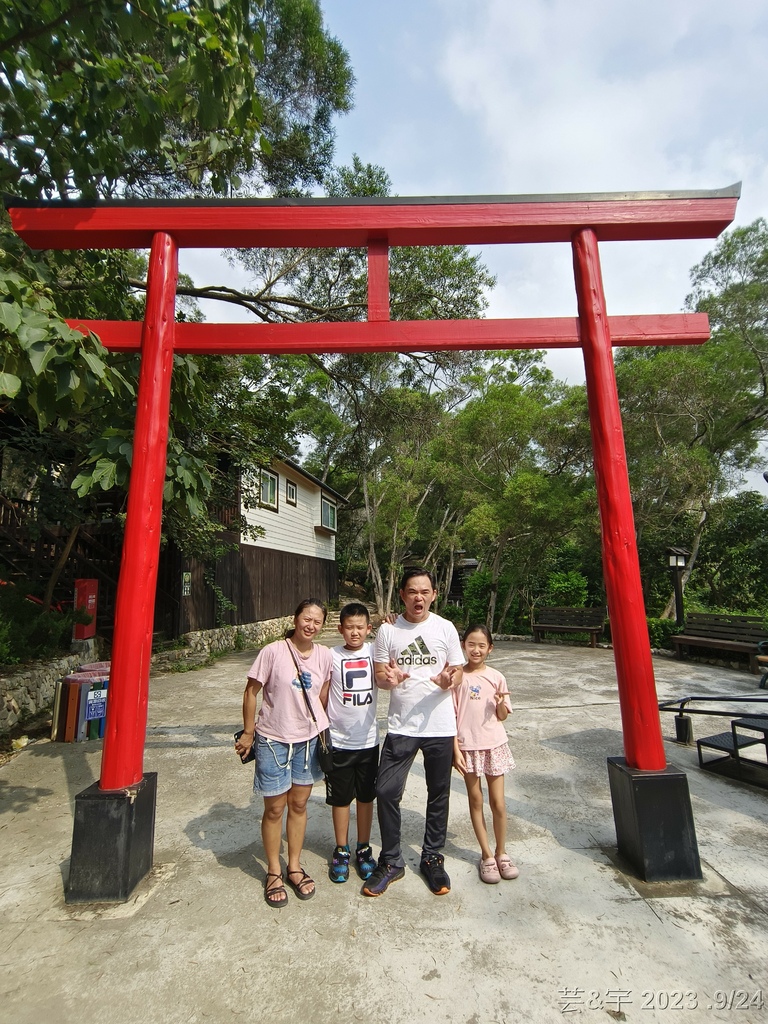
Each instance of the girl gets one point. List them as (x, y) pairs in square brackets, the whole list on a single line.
[(481, 748), (286, 740)]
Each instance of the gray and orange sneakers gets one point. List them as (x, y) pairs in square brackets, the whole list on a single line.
[(383, 876)]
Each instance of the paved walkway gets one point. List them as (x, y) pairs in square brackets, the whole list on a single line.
[(576, 937)]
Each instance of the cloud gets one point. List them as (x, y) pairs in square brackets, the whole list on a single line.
[(600, 95), (559, 96), (606, 96)]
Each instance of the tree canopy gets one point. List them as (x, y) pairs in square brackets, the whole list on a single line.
[(89, 89), (102, 99)]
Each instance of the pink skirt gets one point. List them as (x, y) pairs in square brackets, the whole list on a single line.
[(497, 761)]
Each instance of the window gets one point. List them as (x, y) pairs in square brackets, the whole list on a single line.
[(328, 514), (290, 492), (268, 495)]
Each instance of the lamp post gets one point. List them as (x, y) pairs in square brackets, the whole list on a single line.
[(676, 559)]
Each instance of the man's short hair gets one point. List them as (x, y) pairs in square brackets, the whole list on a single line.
[(417, 570), (354, 608)]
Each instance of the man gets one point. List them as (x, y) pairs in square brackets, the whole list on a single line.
[(418, 658)]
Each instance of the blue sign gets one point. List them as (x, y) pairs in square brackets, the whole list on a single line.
[(96, 705)]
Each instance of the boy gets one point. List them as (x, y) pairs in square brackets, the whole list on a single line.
[(352, 716)]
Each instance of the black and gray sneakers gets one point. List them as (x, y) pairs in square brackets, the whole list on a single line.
[(433, 869)]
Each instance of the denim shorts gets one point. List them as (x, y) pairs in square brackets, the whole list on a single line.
[(282, 765)]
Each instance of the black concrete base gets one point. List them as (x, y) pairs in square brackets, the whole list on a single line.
[(112, 841), (654, 822)]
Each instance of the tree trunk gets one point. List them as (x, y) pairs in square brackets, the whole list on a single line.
[(445, 584), (373, 565), (495, 573), (507, 602), (59, 567), (393, 561), (669, 609)]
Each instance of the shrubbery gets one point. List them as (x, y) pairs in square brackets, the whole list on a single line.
[(660, 632), (567, 589), (27, 632)]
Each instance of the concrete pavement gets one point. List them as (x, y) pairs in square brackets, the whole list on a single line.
[(576, 937)]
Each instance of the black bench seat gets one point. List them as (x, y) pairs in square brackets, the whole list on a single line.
[(569, 620)]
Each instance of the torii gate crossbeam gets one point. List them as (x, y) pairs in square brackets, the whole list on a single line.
[(377, 224)]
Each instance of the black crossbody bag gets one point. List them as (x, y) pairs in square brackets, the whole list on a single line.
[(324, 744)]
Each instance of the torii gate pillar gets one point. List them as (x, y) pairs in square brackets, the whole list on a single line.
[(651, 804), (114, 829)]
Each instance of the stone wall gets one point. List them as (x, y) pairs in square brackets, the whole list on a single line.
[(233, 638), (25, 691)]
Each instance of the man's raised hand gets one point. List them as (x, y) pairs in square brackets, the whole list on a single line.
[(447, 677), (394, 674)]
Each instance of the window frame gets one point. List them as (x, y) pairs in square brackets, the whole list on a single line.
[(274, 478), (328, 503)]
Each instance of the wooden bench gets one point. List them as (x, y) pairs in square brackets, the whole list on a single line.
[(570, 620), (731, 634)]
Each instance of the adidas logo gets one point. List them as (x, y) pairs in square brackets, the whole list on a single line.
[(416, 653)]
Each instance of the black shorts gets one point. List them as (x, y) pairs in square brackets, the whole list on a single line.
[(353, 777)]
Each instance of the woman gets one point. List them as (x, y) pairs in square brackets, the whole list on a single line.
[(286, 740)]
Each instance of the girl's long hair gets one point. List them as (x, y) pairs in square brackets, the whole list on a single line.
[(478, 629)]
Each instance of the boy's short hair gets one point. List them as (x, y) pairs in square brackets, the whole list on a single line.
[(354, 608), (417, 570)]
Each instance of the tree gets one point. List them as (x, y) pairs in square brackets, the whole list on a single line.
[(514, 509), (88, 89), (98, 98), (364, 418), (304, 81), (732, 563), (694, 417)]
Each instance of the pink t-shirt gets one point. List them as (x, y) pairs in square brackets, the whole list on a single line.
[(477, 726), (284, 714)]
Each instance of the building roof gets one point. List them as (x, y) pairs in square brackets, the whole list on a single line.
[(302, 472)]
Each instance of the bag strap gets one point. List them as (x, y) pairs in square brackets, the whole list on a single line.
[(299, 670)]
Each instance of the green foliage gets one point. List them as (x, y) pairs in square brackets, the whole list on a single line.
[(732, 564), (27, 632), (567, 589), (304, 79), (661, 631), (52, 373), (477, 590), (454, 613), (88, 93), (163, 98), (6, 629), (223, 603)]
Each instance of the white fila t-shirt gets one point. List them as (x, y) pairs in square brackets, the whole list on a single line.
[(418, 707), (352, 699)]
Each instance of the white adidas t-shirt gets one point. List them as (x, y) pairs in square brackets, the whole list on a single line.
[(418, 707), (352, 699)]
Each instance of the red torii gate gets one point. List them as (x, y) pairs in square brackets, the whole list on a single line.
[(377, 224)]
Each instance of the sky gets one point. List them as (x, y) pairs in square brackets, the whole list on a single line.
[(488, 97)]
